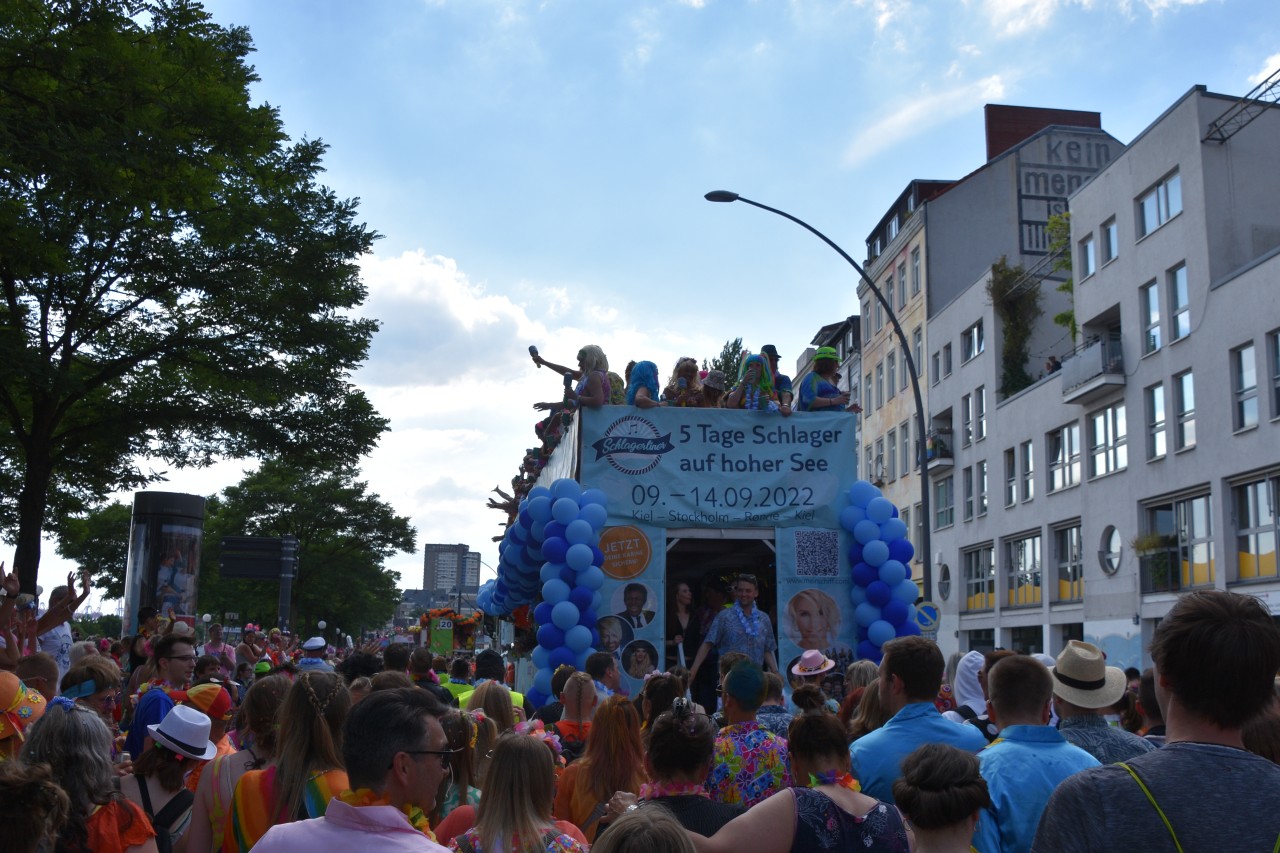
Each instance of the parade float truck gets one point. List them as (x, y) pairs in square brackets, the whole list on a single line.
[(699, 496)]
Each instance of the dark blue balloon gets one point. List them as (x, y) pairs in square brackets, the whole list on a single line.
[(894, 612), (550, 636), (864, 575), (597, 556), (869, 651), (536, 698), (588, 619), (862, 633), (879, 593), (908, 629), (542, 613), (581, 597), (568, 575), (526, 520), (855, 553), (563, 656), (902, 551), (553, 530), (554, 548), (500, 588), (595, 635), (895, 511)]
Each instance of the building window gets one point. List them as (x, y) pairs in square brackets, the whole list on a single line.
[(892, 227), (972, 342), (979, 578), (1150, 318), (915, 271), (1022, 571), (980, 486), (902, 374), (1273, 359), (944, 502), (980, 413), (1256, 528), (875, 247), (936, 364), (1028, 471), (1244, 373), (880, 314), (1185, 392), (1179, 303), (1088, 260), (1069, 555), (905, 431), (892, 445), (1108, 441), (879, 385), (966, 420), (1010, 477), (902, 285), (891, 365), (866, 391), (1160, 204), (917, 348), (967, 478), (879, 459), (866, 318), (869, 473), (1157, 441), (1110, 241), (1064, 457), (946, 360), (1177, 546)]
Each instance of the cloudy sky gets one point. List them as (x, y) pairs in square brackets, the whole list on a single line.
[(537, 172)]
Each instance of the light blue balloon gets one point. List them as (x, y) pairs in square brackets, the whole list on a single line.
[(911, 613), (591, 577), (540, 508), (597, 599), (880, 510), (850, 516), (892, 572), (564, 615), (581, 663), (866, 531), (875, 552), (539, 492), (566, 488), (857, 594), (880, 632), (550, 571), (542, 681), (594, 514), (906, 591), (578, 557), (565, 510), (577, 638), (556, 591), (579, 532), (541, 657), (593, 496), (866, 613), (862, 493), (894, 528)]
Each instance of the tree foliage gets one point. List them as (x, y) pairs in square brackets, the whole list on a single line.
[(98, 542), (1059, 229), (174, 283), (1016, 300), (729, 360)]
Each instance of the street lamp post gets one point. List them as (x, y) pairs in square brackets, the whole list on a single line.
[(921, 427)]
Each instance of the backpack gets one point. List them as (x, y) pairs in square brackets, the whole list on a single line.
[(181, 802)]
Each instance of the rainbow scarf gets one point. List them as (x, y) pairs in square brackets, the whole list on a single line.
[(250, 810)]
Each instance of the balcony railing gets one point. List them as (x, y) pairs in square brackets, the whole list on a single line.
[(1093, 371)]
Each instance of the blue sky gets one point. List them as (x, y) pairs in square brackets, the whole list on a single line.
[(537, 171)]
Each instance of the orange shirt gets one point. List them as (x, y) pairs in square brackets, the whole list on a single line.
[(117, 826)]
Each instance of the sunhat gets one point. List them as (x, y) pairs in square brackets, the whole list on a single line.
[(1081, 676), (812, 662), (185, 731)]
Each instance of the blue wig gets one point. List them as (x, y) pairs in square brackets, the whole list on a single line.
[(643, 375)]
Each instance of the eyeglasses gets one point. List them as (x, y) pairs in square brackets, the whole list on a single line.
[(445, 754)]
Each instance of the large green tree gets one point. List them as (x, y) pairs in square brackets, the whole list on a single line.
[(174, 283)]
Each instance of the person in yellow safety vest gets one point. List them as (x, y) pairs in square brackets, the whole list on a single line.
[(459, 678), (489, 667)]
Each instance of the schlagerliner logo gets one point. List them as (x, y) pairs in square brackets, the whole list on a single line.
[(632, 445)]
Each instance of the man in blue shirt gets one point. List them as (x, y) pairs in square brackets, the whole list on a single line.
[(910, 676), (781, 382), (1027, 761), (742, 628), (174, 658)]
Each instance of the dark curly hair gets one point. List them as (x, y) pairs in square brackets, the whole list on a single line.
[(940, 785)]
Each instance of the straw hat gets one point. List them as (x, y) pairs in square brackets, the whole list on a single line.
[(1081, 676), (185, 731), (812, 662)]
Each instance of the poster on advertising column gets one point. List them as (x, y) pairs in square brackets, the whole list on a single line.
[(633, 611), (813, 605)]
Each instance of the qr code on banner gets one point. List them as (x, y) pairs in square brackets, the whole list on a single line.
[(817, 553)]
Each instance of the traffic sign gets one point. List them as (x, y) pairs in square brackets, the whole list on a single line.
[(927, 616)]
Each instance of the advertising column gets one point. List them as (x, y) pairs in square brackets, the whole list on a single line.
[(813, 596), (633, 596), (163, 568)]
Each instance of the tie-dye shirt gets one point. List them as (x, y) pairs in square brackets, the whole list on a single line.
[(749, 765)]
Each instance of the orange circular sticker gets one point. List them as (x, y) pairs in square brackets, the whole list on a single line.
[(626, 552)]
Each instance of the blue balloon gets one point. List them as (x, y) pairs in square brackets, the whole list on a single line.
[(580, 663), (907, 566), (538, 531), (855, 553), (569, 576), (593, 496), (892, 572), (564, 615), (865, 531), (579, 532), (869, 651), (857, 594), (595, 638), (554, 530), (880, 510), (893, 529), (577, 639), (500, 588), (875, 552), (539, 492), (554, 548), (565, 510), (594, 514), (597, 556), (850, 516), (895, 612), (550, 571), (542, 681), (581, 597), (540, 508), (533, 554), (911, 613), (866, 613), (862, 493), (902, 550), (862, 634), (578, 557), (878, 593), (597, 599), (880, 632), (908, 629), (550, 636), (566, 488), (588, 619), (907, 591), (591, 578), (525, 519), (563, 656), (555, 591), (537, 699), (864, 575), (541, 657), (542, 613)]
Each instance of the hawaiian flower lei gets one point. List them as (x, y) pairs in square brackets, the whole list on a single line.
[(364, 797), (750, 625), (650, 790), (833, 777), (536, 728)]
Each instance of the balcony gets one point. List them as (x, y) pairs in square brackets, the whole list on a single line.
[(1173, 570), (937, 452), (1093, 372)]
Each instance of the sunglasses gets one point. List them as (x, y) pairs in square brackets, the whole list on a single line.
[(445, 754)]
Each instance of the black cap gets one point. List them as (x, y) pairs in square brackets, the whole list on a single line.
[(769, 350), (489, 665)]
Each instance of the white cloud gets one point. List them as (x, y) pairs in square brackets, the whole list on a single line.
[(1269, 66), (694, 4), (1014, 17), (1158, 6), (922, 114), (647, 36)]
